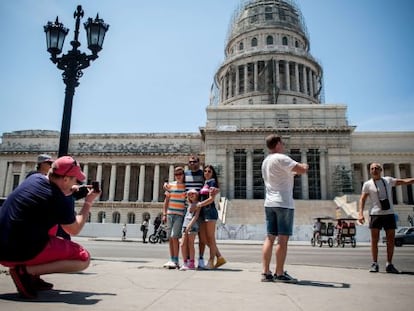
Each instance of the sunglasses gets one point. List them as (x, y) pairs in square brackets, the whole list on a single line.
[(192, 162), (178, 174), (375, 168)]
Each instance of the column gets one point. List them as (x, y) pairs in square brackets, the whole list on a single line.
[(322, 163), (304, 177), (287, 73), (236, 90), (297, 88), (127, 182), (276, 69), (365, 172), (112, 183), (22, 173), (155, 188), (171, 173), (225, 87), (398, 190), (249, 174), (99, 173), (230, 157), (85, 170), (9, 180), (141, 183), (412, 175), (310, 82), (305, 81), (256, 76)]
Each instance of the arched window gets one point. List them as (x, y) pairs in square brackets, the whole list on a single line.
[(254, 42), (296, 44), (285, 41), (241, 46), (101, 217), (269, 40), (116, 218), (131, 218)]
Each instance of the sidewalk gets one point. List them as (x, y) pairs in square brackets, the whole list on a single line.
[(145, 285)]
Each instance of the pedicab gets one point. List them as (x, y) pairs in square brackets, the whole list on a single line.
[(323, 231), (345, 232)]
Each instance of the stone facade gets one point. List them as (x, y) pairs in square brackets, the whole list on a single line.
[(269, 82)]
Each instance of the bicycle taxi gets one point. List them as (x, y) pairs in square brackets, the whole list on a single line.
[(345, 232), (323, 231)]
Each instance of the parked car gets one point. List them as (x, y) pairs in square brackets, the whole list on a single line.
[(403, 235)]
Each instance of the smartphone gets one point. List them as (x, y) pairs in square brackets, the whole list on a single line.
[(95, 186)]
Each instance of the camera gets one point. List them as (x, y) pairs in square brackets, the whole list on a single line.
[(95, 186)]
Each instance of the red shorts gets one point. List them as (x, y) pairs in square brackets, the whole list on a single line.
[(56, 249)]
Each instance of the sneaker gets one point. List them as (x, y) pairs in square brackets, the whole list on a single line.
[(184, 267), (40, 284), (170, 265), (210, 265), (267, 277), (391, 269), (285, 278), (23, 282), (374, 267), (191, 266), (220, 261), (201, 264)]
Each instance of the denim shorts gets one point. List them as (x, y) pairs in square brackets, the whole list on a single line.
[(194, 228), (279, 220), (210, 213), (174, 226)]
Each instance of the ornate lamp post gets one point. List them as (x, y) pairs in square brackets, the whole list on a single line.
[(73, 62)]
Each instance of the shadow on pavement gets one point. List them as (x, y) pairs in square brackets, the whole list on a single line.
[(323, 284), (59, 296)]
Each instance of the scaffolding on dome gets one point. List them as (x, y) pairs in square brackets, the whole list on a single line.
[(245, 3)]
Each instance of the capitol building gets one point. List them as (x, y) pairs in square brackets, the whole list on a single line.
[(268, 83)]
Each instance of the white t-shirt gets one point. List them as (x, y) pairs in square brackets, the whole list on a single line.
[(278, 179), (372, 189)]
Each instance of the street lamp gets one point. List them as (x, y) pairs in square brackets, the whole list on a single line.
[(73, 62)]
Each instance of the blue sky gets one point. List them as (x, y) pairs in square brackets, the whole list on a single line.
[(159, 58)]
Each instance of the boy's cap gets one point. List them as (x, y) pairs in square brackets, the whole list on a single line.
[(44, 158), (67, 166)]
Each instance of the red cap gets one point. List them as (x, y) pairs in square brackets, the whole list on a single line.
[(67, 166)]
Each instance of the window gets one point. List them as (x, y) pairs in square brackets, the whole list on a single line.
[(258, 184), (241, 46), (297, 182), (269, 40), (268, 13), (296, 44), (314, 179), (282, 15), (101, 217), (116, 218), (240, 174), (131, 218), (285, 41), (254, 42)]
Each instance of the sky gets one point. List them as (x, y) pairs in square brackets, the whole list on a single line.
[(159, 58)]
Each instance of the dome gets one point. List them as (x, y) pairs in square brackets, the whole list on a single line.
[(255, 14)]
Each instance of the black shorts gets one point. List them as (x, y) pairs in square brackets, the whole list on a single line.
[(382, 221)]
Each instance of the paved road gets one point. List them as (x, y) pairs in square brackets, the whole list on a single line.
[(299, 253)]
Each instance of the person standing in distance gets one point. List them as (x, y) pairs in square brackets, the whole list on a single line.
[(278, 171), (44, 162), (381, 213)]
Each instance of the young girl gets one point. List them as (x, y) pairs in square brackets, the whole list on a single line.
[(190, 230)]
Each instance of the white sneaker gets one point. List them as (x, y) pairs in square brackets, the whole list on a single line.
[(170, 265), (201, 264), (184, 267)]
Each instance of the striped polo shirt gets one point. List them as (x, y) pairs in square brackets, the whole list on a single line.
[(176, 204)]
